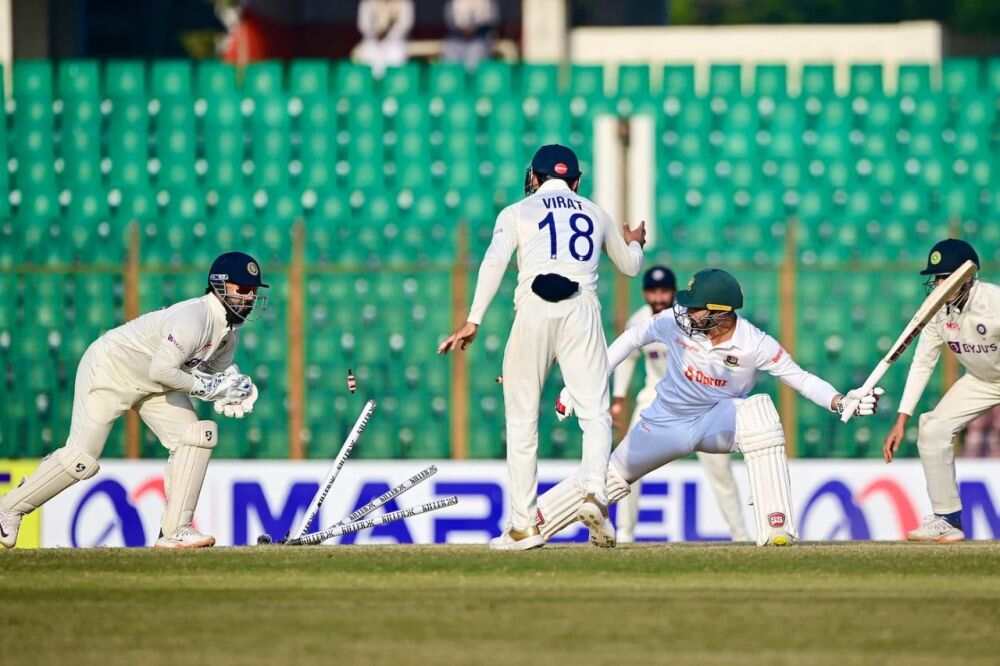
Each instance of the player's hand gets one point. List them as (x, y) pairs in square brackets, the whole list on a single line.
[(215, 386), (460, 339), (638, 234), (564, 405), (865, 403), (894, 438), (618, 413), (237, 409)]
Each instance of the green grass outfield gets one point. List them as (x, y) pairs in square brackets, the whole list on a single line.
[(704, 604)]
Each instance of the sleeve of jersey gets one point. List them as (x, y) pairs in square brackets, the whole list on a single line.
[(623, 373), (925, 358), (494, 265), (773, 359), (629, 342), (178, 340), (627, 257)]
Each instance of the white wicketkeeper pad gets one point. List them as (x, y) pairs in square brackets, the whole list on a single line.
[(55, 474), (762, 442), (186, 474)]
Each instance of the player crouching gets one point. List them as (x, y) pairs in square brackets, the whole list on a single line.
[(155, 364), (703, 403)]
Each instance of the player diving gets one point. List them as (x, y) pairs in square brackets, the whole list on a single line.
[(704, 403), (155, 364)]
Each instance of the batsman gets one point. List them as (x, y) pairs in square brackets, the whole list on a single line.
[(969, 325), (155, 364), (703, 403)]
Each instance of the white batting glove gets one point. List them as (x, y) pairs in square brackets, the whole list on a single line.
[(867, 402), (237, 409), (215, 386), (564, 405)]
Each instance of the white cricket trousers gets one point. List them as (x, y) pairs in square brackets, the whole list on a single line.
[(965, 400), (718, 471), (657, 439), (101, 395), (571, 334)]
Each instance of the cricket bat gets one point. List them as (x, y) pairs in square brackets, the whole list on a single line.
[(943, 293)]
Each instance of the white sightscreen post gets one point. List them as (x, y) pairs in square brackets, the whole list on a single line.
[(543, 30), (7, 45), (641, 170), (609, 167)]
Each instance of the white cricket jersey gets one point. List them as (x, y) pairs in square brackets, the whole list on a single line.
[(973, 336), (699, 374), (654, 355), (156, 352), (554, 230)]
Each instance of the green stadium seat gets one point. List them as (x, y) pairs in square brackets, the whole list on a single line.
[(32, 80), (493, 79), (678, 81), (724, 80), (263, 79), (993, 77), (586, 81), (79, 79), (539, 80), (633, 81), (270, 146), (914, 80), (402, 81), (127, 143), (309, 78), (866, 80), (125, 79), (171, 79), (817, 82), (771, 81), (215, 78), (175, 140), (960, 76), (448, 79)]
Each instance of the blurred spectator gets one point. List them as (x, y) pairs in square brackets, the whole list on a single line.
[(384, 26), (472, 27), (982, 438)]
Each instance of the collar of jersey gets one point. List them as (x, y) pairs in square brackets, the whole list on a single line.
[(735, 342), (554, 184)]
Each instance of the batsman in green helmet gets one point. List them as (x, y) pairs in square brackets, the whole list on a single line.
[(705, 402)]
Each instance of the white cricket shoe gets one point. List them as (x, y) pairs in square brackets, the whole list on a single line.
[(186, 537), (514, 539), (594, 514), (936, 529), (624, 536), (10, 523)]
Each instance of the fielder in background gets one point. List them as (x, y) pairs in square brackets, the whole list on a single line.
[(702, 404), (969, 325), (155, 364), (558, 235), (659, 285)]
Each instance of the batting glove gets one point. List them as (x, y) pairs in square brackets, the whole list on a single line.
[(564, 405), (867, 402)]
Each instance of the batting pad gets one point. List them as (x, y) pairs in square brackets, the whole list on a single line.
[(55, 474), (558, 507), (762, 442), (186, 474)]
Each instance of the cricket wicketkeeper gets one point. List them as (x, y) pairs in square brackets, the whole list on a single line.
[(156, 364)]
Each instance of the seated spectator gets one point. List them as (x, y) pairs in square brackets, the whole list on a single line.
[(384, 26), (472, 27)]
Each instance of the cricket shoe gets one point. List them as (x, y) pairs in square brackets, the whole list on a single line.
[(185, 537), (594, 514), (515, 539), (936, 529), (10, 523)]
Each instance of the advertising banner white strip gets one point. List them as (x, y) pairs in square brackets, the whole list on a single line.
[(833, 500)]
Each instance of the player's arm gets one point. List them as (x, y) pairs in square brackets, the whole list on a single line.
[(925, 358), (491, 271), (772, 358), (624, 245), (179, 337), (630, 342)]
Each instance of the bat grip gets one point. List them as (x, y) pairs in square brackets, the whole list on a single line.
[(852, 404)]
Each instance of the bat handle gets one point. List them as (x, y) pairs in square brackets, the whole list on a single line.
[(851, 405)]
